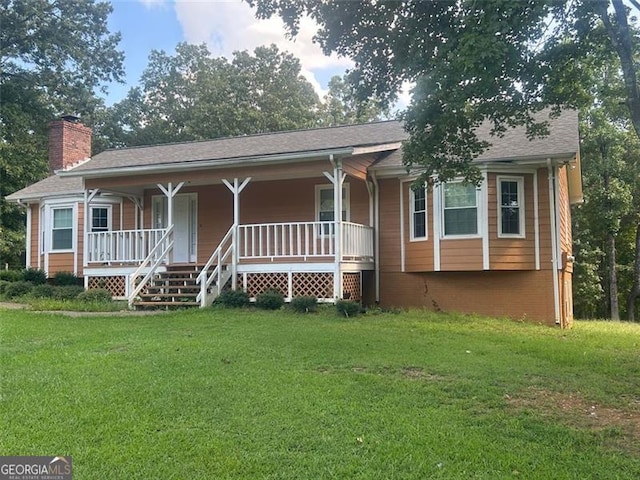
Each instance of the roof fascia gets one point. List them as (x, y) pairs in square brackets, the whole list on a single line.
[(507, 162), (207, 164)]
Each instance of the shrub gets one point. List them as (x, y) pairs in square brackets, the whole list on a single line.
[(347, 308), (304, 304), (234, 298), (17, 289), (63, 279), (270, 300), (3, 285), (11, 275), (42, 291), (35, 276), (95, 295), (67, 292)]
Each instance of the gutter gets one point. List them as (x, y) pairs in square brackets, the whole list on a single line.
[(204, 165)]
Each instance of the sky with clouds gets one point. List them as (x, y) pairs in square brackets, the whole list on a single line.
[(224, 25)]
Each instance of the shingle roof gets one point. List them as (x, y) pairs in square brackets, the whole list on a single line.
[(249, 146), (49, 187), (562, 140)]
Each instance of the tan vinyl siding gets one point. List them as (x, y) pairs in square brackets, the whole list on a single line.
[(461, 254), (129, 212), (60, 262), (35, 232), (389, 226), (511, 253), (564, 211), (260, 202), (418, 253), (544, 219)]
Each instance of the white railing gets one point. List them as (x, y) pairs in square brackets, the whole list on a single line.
[(222, 257), (122, 245), (158, 254), (303, 240), (357, 241), (273, 240)]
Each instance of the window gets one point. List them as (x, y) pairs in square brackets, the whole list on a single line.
[(325, 204), (460, 212), (418, 213), (159, 213), (62, 229), (100, 219), (510, 207)]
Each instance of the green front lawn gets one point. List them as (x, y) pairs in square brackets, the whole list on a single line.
[(250, 394)]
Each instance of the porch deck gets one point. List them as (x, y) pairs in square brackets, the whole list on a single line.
[(323, 259)]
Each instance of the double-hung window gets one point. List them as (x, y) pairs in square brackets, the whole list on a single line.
[(460, 209), (418, 213), (62, 228), (325, 205), (510, 206), (100, 219)]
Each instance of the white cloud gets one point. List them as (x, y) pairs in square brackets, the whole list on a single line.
[(227, 26), (152, 3)]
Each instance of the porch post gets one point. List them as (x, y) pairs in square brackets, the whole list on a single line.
[(88, 196), (236, 189), (337, 179), (170, 192)]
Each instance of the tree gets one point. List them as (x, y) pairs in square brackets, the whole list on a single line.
[(194, 96), (53, 54), (609, 192), (499, 60), (342, 105)]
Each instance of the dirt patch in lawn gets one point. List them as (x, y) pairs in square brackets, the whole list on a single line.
[(621, 425)]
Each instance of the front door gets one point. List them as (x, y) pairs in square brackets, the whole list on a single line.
[(185, 224)]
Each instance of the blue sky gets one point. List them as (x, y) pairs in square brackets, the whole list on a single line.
[(224, 25)]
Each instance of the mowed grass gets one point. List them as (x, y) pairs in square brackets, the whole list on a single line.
[(249, 394)]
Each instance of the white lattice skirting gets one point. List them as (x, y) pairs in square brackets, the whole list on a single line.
[(297, 284)]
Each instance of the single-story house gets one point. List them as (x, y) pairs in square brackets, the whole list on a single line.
[(327, 212)]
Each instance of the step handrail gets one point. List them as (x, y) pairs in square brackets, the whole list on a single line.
[(136, 289), (204, 279)]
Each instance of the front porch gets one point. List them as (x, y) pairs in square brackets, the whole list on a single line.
[(304, 231), (321, 259)]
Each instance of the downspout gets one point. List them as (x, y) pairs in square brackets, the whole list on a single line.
[(337, 218), (376, 229), (554, 239)]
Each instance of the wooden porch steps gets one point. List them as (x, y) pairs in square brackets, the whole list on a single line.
[(175, 288)]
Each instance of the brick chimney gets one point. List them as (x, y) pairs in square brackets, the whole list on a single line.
[(69, 142)]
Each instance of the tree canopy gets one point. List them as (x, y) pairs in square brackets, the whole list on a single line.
[(194, 96), (470, 61), (343, 106), (53, 55)]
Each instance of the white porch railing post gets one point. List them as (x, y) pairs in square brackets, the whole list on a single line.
[(337, 179), (235, 188)]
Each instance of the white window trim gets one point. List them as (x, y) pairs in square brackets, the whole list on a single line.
[(520, 182), (479, 210), (412, 236), (49, 227), (346, 200), (109, 216)]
